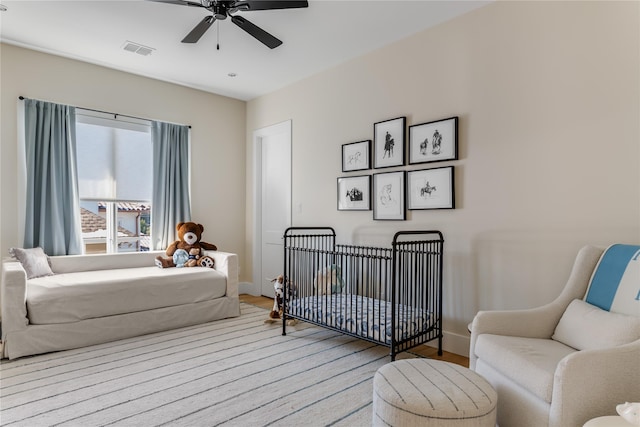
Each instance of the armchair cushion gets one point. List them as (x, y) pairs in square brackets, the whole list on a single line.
[(529, 362), (585, 327)]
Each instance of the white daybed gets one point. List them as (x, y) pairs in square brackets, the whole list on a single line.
[(93, 299)]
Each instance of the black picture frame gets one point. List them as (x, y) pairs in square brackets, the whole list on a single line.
[(389, 196), (356, 156), (431, 189), (354, 193), (434, 141), (389, 138)]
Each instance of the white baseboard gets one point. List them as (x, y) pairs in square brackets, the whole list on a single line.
[(453, 343)]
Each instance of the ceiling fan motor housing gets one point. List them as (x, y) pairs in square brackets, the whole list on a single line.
[(220, 10)]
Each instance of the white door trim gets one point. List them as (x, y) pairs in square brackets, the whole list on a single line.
[(279, 128)]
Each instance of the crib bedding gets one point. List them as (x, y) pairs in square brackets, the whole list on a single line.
[(363, 316)]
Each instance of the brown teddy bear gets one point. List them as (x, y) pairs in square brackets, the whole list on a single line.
[(189, 234)]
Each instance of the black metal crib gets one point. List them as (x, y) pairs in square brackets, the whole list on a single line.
[(389, 296)]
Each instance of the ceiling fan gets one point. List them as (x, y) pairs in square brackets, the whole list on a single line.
[(221, 9)]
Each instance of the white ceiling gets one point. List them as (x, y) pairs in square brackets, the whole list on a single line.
[(319, 37)]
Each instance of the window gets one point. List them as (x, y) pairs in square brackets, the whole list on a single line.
[(115, 181)]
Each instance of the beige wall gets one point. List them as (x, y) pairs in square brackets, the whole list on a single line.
[(217, 133), (548, 97)]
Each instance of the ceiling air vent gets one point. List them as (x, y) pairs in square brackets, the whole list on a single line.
[(134, 47)]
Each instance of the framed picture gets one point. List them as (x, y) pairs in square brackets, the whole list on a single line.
[(356, 156), (433, 141), (431, 189), (354, 193), (388, 142), (388, 196)]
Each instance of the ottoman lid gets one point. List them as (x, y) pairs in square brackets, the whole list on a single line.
[(434, 389)]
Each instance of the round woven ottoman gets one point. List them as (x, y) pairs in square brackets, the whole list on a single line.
[(425, 392)]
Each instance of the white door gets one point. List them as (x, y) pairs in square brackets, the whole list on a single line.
[(273, 145)]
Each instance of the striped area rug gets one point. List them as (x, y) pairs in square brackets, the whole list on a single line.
[(236, 372)]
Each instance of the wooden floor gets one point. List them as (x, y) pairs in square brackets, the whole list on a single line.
[(423, 350)]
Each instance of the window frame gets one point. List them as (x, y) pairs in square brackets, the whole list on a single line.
[(112, 240)]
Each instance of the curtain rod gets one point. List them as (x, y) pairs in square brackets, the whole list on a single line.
[(105, 112)]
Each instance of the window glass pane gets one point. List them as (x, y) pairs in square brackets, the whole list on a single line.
[(94, 227), (94, 152), (134, 226), (133, 165), (113, 164)]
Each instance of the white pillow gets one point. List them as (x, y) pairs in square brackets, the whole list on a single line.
[(584, 327), (34, 261)]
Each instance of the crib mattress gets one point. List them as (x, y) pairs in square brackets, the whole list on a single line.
[(363, 316)]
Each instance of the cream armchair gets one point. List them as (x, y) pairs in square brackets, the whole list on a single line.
[(542, 381)]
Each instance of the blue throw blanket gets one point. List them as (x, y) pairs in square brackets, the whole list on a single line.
[(615, 284)]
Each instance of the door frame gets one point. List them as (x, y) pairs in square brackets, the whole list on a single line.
[(258, 135)]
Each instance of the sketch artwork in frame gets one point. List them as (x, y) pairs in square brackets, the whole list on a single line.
[(388, 196), (354, 193), (431, 189), (388, 142), (433, 141), (356, 156)]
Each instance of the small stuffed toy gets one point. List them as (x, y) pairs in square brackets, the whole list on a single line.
[(180, 258), (278, 301), (206, 261), (328, 281), (194, 256), (189, 235)]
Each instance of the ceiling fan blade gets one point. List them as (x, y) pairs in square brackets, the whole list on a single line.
[(180, 2), (269, 5), (199, 30), (267, 39)]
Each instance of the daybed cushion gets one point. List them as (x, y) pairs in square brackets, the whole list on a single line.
[(584, 327), (71, 297), (530, 362)]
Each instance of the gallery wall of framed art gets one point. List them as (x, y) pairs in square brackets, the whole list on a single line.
[(414, 185)]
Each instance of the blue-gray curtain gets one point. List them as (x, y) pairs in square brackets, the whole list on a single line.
[(170, 203), (52, 217)]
